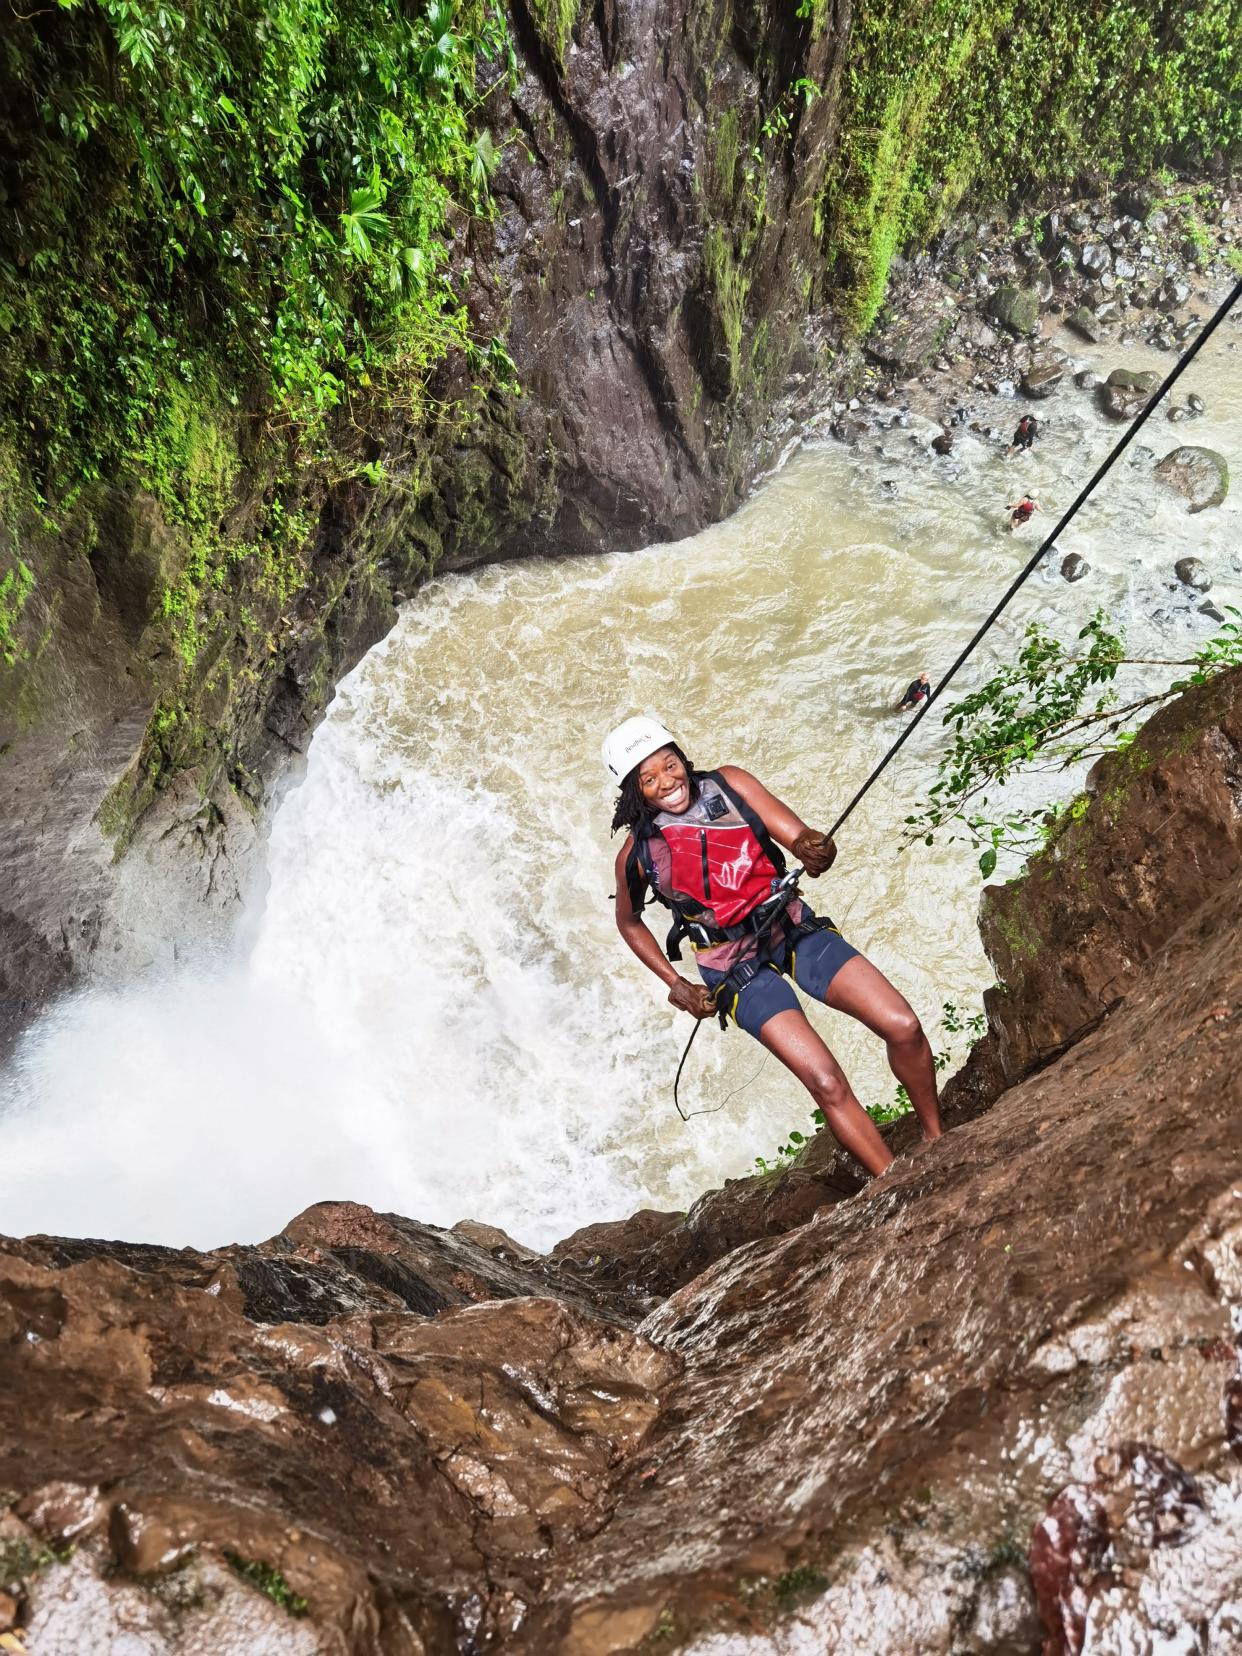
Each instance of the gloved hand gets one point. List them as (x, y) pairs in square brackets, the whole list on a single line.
[(694, 998), (815, 851)]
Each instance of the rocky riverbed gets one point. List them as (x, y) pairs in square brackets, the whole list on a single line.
[(972, 319), (989, 1403)]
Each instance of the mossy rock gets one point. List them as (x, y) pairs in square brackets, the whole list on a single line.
[(1016, 309), (1133, 379), (1199, 476)]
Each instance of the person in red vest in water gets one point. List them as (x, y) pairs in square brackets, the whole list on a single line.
[(707, 845), (1022, 511)]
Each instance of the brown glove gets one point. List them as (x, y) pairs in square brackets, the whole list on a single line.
[(694, 998), (815, 851)]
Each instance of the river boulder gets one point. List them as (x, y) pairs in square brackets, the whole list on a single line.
[(1199, 476), (1126, 390), (1043, 374), (1121, 402), (1074, 567), (909, 343), (1135, 379), (1085, 322), (1193, 572), (1016, 309)]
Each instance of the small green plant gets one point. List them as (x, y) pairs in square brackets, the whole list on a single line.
[(269, 1582), (798, 1584)]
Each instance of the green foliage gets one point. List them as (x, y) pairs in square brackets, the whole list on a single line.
[(940, 95), (259, 192), (269, 1581), (21, 1559), (731, 285), (16, 585), (802, 1582), (555, 21), (1039, 712)]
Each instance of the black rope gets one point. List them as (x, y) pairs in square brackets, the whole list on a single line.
[(1049, 541)]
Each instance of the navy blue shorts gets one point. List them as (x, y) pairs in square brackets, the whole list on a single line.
[(812, 964)]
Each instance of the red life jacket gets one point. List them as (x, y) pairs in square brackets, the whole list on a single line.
[(713, 865)]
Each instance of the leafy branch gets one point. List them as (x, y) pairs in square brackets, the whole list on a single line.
[(1050, 709)]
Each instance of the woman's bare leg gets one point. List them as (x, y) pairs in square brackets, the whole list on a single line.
[(801, 1050), (863, 992)]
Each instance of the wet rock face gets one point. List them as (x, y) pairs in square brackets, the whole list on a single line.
[(1163, 833), (1199, 476), (470, 1444)]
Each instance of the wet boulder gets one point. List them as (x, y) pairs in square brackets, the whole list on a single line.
[(1121, 402), (1200, 476), (1016, 309), (1192, 572), (1196, 404), (1095, 259), (1086, 323), (1074, 567), (1086, 380), (1039, 279), (943, 444), (1043, 374), (1135, 379), (1126, 391), (908, 344)]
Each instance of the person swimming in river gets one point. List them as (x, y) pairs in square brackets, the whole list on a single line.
[(707, 845), (917, 691), (1022, 511), (1025, 435)]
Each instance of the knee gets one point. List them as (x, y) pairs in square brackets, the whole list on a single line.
[(903, 1029), (829, 1091)]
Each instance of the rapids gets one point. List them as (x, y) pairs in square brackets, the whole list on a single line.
[(432, 1012)]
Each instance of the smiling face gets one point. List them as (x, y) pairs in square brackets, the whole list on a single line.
[(664, 782)]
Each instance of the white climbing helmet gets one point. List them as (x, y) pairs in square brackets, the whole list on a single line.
[(632, 742)]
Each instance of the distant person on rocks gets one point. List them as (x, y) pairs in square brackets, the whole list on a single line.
[(1024, 437), (706, 844), (1022, 511), (918, 691)]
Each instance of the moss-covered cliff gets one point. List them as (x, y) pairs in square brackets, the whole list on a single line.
[(300, 300)]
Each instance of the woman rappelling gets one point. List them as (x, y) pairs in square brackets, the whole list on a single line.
[(706, 844)]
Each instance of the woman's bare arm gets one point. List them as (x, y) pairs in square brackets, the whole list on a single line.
[(686, 996), (814, 850)]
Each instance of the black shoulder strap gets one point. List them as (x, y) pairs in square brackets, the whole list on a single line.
[(638, 871), (753, 821)]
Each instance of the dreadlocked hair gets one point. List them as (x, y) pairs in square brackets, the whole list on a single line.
[(632, 808)]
